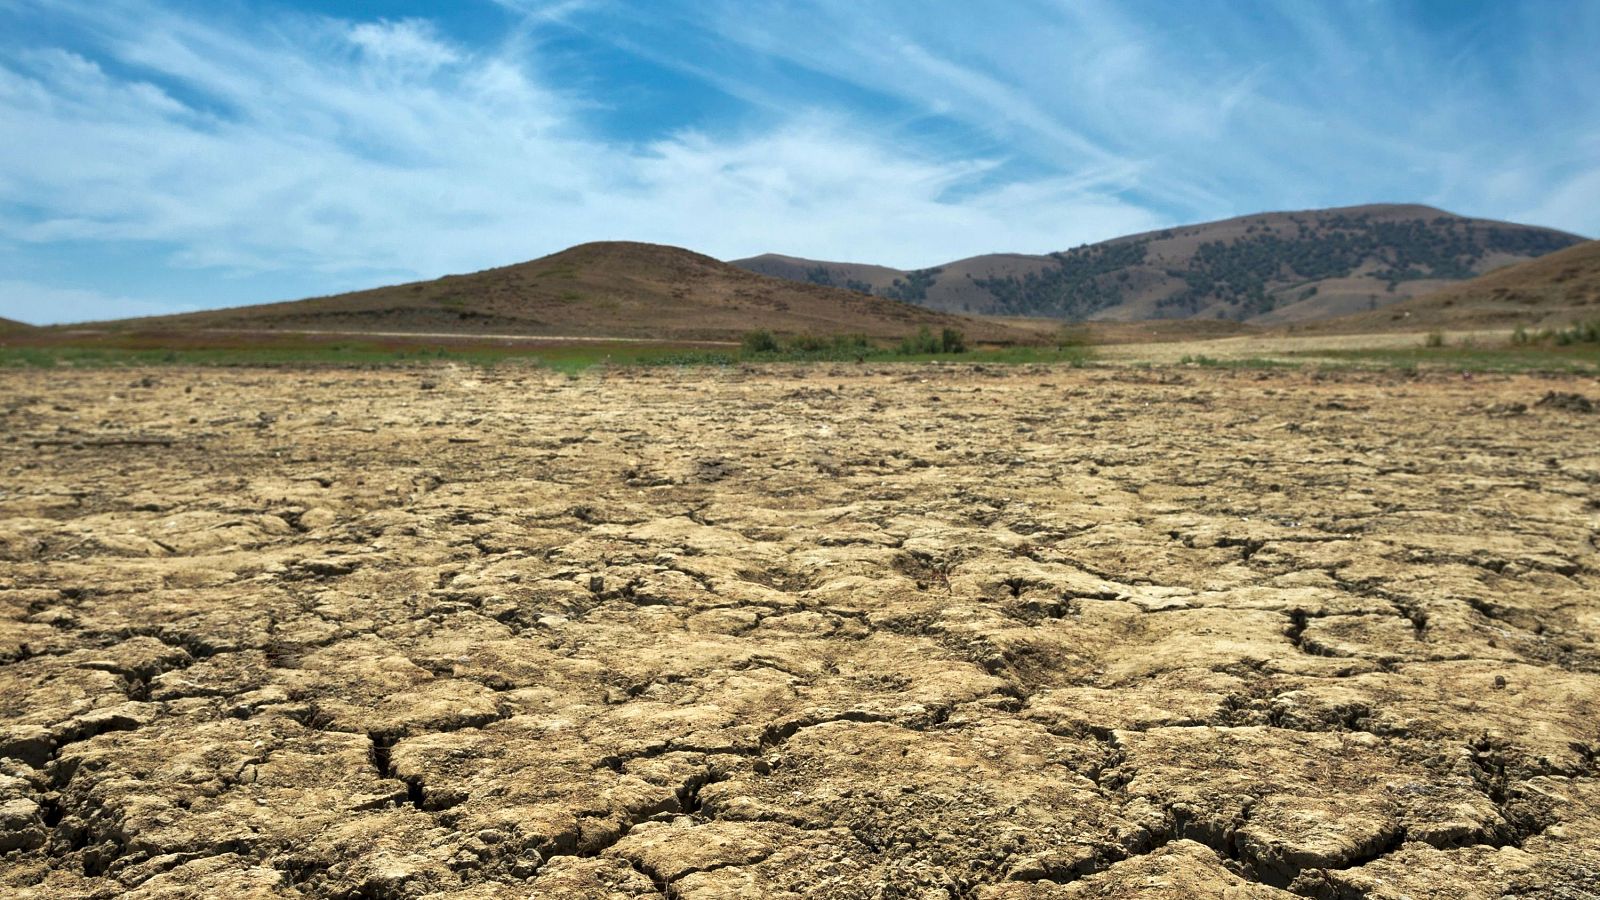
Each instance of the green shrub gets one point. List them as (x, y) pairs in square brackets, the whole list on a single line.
[(1071, 336), (920, 343), (756, 343), (925, 342), (806, 347), (1580, 333), (1576, 333), (952, 341), (1434, 339)]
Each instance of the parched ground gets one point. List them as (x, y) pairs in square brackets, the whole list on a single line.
[(937, 632)]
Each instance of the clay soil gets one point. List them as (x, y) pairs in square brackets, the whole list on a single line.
[(894, 632)]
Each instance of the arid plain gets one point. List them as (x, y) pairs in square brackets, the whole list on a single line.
[(864, 631)]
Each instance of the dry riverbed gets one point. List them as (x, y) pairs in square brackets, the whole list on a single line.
[(843, 632)]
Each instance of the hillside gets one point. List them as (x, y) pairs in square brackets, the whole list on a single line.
[(1270, 268), (850, 276), (11, 325), (1549, 292), (612, 289)]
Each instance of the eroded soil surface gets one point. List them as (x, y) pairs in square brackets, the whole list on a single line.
[(1005, 634)]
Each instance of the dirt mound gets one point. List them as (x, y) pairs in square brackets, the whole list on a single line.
[(614, 289), (902, 633)]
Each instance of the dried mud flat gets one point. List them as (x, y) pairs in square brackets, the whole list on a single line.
[(1010, 634)]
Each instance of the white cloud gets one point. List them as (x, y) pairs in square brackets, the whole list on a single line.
[(413, 155), (1208, 110), (408, 42), (43, 304), (547, 10), (355, 148)]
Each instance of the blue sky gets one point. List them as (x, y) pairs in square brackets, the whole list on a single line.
[(175, 154)]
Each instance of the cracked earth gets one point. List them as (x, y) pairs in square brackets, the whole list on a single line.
[(903, 632)]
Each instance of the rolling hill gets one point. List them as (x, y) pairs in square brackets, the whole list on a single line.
[(1270, 268), (1553, 291), (12, 325), (610, 289)]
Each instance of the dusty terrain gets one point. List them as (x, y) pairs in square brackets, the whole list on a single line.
[(853, 632), (1283, 345)]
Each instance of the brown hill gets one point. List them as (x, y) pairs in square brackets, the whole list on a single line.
[(12, 325), (1269, 268), (850, 276), (611, 289), (1549, 292)]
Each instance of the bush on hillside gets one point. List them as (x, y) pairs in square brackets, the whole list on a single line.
[(925, 342), (756, 343), (1577, 333)]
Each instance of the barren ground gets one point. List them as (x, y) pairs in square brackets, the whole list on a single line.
[(1273, 345), (865, 632)]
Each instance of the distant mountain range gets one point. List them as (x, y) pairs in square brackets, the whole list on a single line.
[(1269, 268), (1361, 268), (610, 289)]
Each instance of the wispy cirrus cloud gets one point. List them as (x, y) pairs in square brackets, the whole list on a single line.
[(226, 155), (1226, 108), (382, 149), (407, 43)]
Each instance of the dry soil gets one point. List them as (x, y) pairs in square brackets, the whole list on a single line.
[(904, 632)]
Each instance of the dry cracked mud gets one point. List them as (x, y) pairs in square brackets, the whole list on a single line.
[(936, 632)]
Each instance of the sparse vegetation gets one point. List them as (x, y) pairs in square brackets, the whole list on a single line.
[(1577, 333), (1071, 336), (914, 287), (1582, 359), (1242, 272), (1582, 333), (821, 275), (953, 341), (758, 342), (293, 350), (1571, 349), (1250, 362), (1268, 266), (926, 342), (1433, 339), (1079, 285), (764, 345)]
